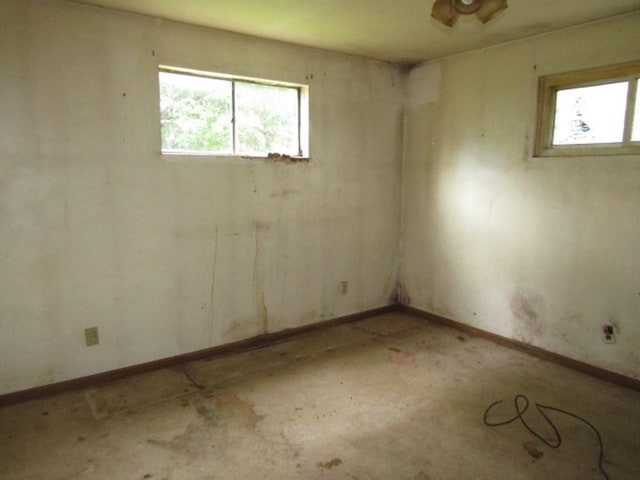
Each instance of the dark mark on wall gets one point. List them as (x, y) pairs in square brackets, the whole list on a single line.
[(523, 309), (213, 285), (284, 193), (330, 464), (281, 157), (401, 295), (259, 302), (527, 307), (253, 180)]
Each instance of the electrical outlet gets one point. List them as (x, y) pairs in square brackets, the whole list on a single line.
[(91, 336), (608, 334), (344, 287)]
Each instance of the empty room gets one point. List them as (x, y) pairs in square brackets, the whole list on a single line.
[(345, 239)]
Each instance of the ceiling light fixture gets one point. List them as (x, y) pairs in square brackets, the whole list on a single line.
[(448, 11)]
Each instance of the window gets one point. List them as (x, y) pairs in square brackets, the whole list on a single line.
[(591, 112), (210, 114)]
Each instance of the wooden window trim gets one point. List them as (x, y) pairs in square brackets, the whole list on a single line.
[(548, 87)]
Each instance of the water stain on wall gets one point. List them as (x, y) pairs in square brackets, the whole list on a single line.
[(259, 303), (210, 316), (402, 295), (527, 308), (570, 323)]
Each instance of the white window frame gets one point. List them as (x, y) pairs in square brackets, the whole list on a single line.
[(548, 87), (303, 117)]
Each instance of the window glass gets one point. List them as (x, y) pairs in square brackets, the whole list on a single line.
[(590, 115), (195, 113), (205, 113), (266, 119)]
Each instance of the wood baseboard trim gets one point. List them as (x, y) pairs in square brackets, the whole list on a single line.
[(592, 370), (277, 337), (226, 349)]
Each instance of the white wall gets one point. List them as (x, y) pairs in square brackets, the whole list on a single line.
[(542, 250), (97, 229)]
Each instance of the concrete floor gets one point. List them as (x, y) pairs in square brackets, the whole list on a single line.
[(390, 397)]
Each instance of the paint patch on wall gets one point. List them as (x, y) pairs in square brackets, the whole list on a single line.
[(425, 84)]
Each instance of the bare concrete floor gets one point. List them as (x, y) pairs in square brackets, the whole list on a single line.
[(391, 397)]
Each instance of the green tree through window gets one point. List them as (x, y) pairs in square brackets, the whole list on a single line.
[(207, 115)]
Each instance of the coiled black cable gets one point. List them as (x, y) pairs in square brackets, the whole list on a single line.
[(521, 404)]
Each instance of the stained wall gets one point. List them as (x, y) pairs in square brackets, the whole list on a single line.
[(541, 250), (170, 256)]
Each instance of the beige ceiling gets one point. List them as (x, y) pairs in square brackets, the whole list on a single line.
[(399, 31)]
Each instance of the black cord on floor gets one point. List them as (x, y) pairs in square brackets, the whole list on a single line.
[(522, 404)]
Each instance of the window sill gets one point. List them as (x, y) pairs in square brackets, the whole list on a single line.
[(236, 159), (589, 151)]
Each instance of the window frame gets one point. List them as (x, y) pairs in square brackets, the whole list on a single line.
[(549, 85), (302, 120)]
